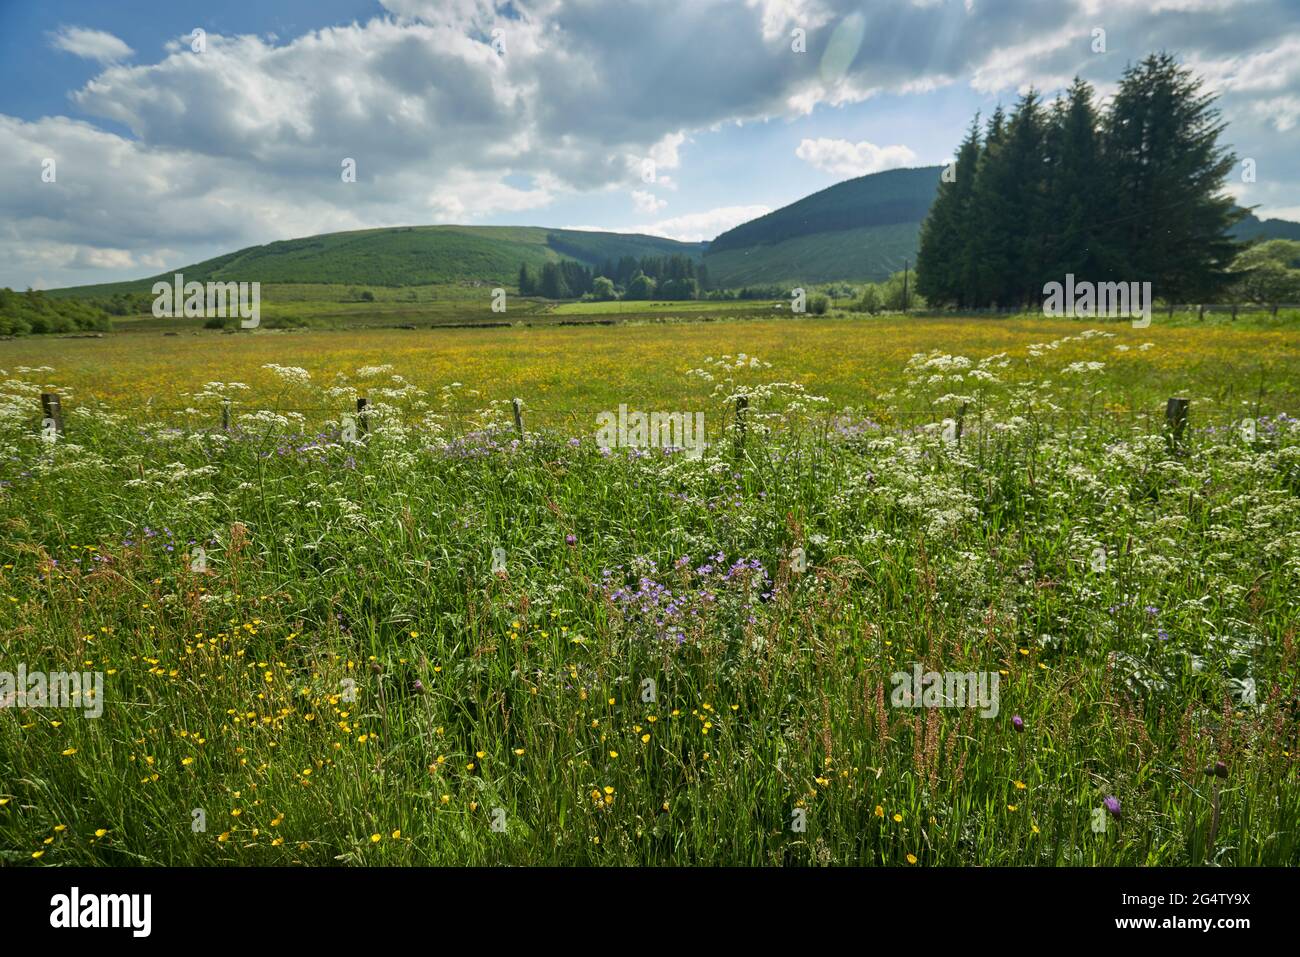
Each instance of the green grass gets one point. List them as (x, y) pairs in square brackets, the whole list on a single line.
[(346, 651)]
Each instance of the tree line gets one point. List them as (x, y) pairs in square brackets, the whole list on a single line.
[(1132, 192), (35, 312), (650, 277)]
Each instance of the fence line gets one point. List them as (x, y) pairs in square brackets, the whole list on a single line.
[(1177, 412)]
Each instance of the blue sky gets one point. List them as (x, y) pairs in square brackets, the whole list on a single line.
[(544, 112)]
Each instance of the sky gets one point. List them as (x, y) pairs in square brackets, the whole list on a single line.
[(679, 118)]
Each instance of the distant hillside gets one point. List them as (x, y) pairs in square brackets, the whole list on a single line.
[(870, 253), (860, 229), (408, 256), (1252, 228), (863, 228)]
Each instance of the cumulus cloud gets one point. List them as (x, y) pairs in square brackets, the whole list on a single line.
[(91, 44), (242, 143), (647, 202), (699, 227), (842, 158)]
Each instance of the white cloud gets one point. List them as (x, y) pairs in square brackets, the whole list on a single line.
[(103, 258), (242, 144), (91, 44), (698, 227), (646, 202), (842, 158)]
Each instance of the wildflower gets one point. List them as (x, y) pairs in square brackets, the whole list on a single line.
[(898, 818), (880, 811), (911, 858), (1017, 722), (1111, 804), (375, 838)]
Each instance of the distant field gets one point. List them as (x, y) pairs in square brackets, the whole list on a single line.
[(652, 307), (850, 360)]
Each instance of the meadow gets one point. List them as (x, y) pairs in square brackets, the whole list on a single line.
[(423, 638)]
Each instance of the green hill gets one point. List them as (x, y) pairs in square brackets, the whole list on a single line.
[(1252, 228), (860, 229), (409, 256), (871, 252)]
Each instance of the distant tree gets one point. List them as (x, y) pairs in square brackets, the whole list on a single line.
[(367, 296), (1269, 272), (626, 269), (892, 294), (641, 287), (526, 287), (683, 288), (602, 288), (552, 284), (872, 301)]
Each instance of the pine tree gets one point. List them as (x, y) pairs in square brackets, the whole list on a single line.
[(552, 284), (944, 256), (1077, 188), (992, 219), (525, 281), (1163, 158)]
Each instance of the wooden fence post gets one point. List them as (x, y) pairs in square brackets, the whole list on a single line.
[(1176, 421), (363, 416), (961, 414), (517, 406), (225, 415), (1200, 311), (51, 412), (1234, 312), (742, 409)]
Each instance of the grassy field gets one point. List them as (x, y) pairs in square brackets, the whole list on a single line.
[(448, 644)]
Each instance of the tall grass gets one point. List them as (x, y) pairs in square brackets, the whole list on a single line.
[(655, 677)]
